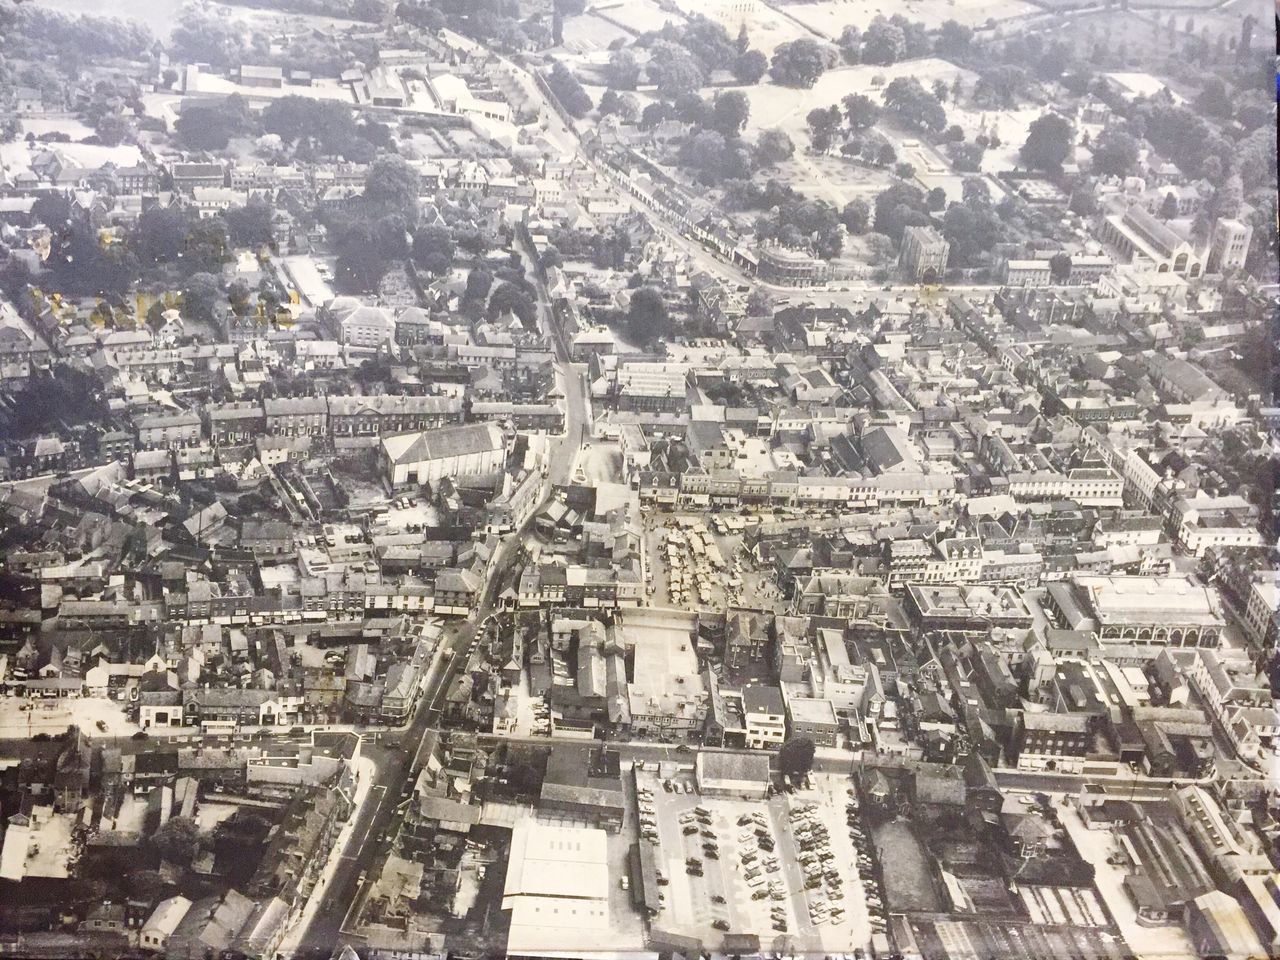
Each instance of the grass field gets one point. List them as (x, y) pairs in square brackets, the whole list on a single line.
[(829, 17), (638, 16)]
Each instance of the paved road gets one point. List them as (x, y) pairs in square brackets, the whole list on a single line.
[(397, 764), (369, 841)]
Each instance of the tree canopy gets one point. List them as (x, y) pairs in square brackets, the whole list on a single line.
[(1049, 142), (798, 63)]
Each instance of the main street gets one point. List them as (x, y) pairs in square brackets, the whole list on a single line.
[(396, 760), (398, 766)]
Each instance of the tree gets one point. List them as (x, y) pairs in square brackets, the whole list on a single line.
[(111, 128), (210, 126), (953, 39), (798, 63), (850, 44), (391, 185), (623, 72), (861, 111), (1001, 86), (433, 249), (1214, 99), (708, 42), (692, 109), (479, 282), (750, 66), (897, 207), (250, 225), (621, 105), (159, 235), (773, 147), (795, 757), (729, 113), (1114, 153), (654, 114), (760, 303), (906, 99), (569, 91), (904, 170), (673, 70), (512, 297), (935, 200), (1049, 142), (647, 319), (1228, 198), (823, 123), (884, 43), (177, 841), (971, 229), (974, 191), (1168, 207), (856, 215), (201, 294), (1060, 267), (207, 244)]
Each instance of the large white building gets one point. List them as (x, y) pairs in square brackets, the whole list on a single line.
[(557, 889), (1157, 611), (431, 455)]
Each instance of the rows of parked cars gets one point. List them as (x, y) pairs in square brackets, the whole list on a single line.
[(697, 823), (759, 862), (867, 873), (818, 863)]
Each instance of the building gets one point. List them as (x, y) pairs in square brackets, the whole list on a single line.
[(269, 77), (361, 420), (432, 455), (924, 254), (164, 919), (1051, 741), (1217, 926), (367, 327), (169, 430), (296, 416), (1143, 611), (814, 718), (1229, 246), (557, 888), (1026, 273), (791, 268), (765, 716), (1142, 239), (743, 775)]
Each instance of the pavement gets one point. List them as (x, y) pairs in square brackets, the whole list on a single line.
[(366, 769), (368, 843)]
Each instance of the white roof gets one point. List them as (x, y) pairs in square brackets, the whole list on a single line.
[(557, 863)]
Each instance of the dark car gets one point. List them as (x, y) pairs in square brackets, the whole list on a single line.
[(710, 834), (712, 854), (720, 924), (717, 899), (689, 830)]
